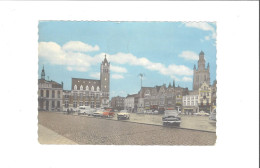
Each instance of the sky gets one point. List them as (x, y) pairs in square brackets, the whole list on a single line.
[(162, 51)]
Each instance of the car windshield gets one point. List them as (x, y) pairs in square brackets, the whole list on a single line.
[(171, 113), (123, 111)]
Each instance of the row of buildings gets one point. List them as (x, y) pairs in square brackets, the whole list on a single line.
[(87, 92), (201, 98), (95, 93)]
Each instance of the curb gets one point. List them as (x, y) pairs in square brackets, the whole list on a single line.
[(141, 123)]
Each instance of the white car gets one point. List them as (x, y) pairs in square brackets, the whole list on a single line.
[(201, 113), (83, 110), (123, 114)]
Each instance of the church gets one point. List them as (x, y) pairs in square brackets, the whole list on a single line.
[(90, 92), (200, 74)]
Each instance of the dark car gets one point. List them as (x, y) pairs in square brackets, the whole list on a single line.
[(171, 118)]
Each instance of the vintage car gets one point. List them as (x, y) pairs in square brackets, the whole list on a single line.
[(123, 114), (201, 113), (212, 115), (171, 118), (83, 109), (98, 113), (108, 113), (90, 112)]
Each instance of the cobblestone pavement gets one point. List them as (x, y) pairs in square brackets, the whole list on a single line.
[(99, 131), (47, 136), (188, 121)]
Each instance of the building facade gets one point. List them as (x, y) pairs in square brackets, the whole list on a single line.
[(200, 74), (49, 94), (90, 92), (190, 103), (162, 97), (131, 102), (204, 100), (118, 103)]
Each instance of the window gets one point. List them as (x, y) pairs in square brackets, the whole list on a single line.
[(97, 96), (81, 87), (87, 88), (86, 103), (92, 104), (97, 104), (66, 104), (92, 88), (58, 104), (58, 94), (53, 94), (208, 94), (75, 87), (81, 96), (75, 96), (92, 95), (53, 104), (41, 93), (47, 93), (75, 104), (80, 103), (97, 88)]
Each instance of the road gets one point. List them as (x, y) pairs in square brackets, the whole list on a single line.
[(99, 131)]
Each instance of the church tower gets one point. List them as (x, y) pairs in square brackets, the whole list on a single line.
[(201, 74), (43, 73), (105, 81)]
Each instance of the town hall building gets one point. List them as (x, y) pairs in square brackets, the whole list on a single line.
[(90, 92)]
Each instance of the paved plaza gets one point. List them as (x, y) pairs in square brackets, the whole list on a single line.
[(100, 131)]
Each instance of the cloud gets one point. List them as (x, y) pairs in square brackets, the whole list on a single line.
[(117, 76), (55, 54), (95, 75), (123, 58), (118, 69), (203, 26), (189, 55), (76, 61), (79, 46), (187, 79)]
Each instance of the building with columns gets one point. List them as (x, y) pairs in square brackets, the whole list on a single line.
[(200, 74)]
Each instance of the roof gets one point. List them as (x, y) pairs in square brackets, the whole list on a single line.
[(84, 83), (53, 83)]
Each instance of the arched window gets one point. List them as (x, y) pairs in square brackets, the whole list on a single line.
[(92, 88), (97, 88), (75, 87), (87, 88), (81, 87)]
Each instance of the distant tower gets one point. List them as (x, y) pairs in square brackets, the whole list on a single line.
[(201, 74), (43, 73), (105, 81)]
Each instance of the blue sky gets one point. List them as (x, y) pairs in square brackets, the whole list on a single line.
[(163, 51)]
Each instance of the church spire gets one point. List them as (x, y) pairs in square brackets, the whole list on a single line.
[(105, 60), (43, 73)]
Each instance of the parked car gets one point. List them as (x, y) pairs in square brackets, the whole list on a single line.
[(201, 113), (83, 110), (123, 114), (98, 113), (108, 113), (212, 115), (171, 118), (90, 112)]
